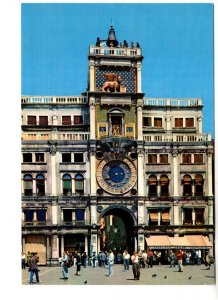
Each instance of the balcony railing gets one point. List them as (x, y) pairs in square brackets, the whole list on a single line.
[(78, 136), (181, 102), (53, 100), (177, 138), (115, 51)]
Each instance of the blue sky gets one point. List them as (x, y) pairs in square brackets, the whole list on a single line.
[(176, 41)]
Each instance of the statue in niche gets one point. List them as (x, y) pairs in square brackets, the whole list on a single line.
[(116, 128), (113, 84)]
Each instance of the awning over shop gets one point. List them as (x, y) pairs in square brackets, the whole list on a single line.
[(186, 242)]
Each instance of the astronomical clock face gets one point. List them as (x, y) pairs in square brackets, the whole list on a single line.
[(116, 176)]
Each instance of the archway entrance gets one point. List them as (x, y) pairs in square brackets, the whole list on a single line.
[(117, 230)]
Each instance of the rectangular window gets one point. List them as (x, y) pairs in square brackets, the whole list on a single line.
[(43, 120), (80, 214), (31, 120), (78, 120), (66, 157), (41, 215), (186, 158), (146, 121), (152, 158), (178, 122), (199, 216), (66, 120), (198, 158), (28, 215), (39, 157), (102, 129), (78, 157), (27, 157), (189, 122), (163, 158), (157, 122), (67, 214)]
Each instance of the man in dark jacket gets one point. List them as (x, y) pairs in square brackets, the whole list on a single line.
[(34, 268)]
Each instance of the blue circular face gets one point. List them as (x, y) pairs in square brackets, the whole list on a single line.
[(116, 174)]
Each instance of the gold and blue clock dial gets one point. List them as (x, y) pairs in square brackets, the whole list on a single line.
[(116, 176)]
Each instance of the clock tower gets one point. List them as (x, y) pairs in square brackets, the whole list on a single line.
[(115, 101)]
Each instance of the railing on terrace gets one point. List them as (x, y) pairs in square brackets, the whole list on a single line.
[(79, 136), (115, 51), (53, 100), (177, 138), (180, 102)]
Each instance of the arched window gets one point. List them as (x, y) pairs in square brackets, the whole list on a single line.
[(28, 185), (187, 185), (199, 185), (152, 185), (67, 184), (40, 185), (79, 184), (164, 185)]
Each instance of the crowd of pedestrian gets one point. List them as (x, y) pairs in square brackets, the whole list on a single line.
[(104, 259)]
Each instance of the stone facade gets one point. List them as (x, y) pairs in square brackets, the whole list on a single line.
[(110, 167)]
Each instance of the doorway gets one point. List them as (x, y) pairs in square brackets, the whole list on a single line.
[(117, 230)]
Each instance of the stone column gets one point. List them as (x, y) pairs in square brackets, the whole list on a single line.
[(91, 77), (34, 216), (62, 244), (53, 151), (92, 119), (141, 184), (158, 217), (193, 216), (54, 213), (23, 244), (175, 172), (141, 213), (141, 241), (48, 247), (210, 212), (176, 218), (55, 247), (86, 244), (139, 119), (94, 241), (139, 77), (209, 171), (199, 125), (92, 173), (182, 216)]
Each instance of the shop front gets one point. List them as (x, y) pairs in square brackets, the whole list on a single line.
[(164, 243)]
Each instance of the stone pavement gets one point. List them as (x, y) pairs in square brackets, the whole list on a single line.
[(191, 275)]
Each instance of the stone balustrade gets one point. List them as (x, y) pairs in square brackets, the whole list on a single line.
[(179, 102), (115, 51), (53, 100), (177, 138)]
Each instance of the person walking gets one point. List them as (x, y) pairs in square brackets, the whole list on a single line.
[(180, 256), (172, 258), (78, 263), (65, 265), (84, 259), (135, 265), (151, 258), (110, 262), (23, 260), (34, 268), (126, 257), (145, 258)]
